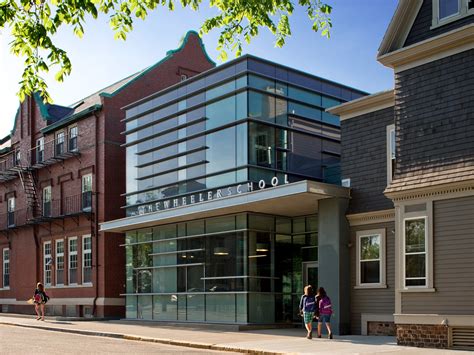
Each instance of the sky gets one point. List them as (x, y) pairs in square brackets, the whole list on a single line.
[(348, 57)]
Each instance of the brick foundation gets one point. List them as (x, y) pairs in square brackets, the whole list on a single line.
[(422, 336), (381, 328)]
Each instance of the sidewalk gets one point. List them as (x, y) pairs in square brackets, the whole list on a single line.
[(275, 341)]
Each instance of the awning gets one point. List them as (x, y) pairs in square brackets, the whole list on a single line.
[(294, 199)]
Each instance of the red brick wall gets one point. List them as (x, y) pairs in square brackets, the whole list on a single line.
[(423, 336)]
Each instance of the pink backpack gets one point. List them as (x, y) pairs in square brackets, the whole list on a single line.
[(325, 306)]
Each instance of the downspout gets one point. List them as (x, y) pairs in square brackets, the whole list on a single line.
[(96, 214)]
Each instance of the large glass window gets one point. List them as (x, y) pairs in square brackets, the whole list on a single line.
[(304, 95), (261, 145), (222, 148), (370, 249), (415, 252)]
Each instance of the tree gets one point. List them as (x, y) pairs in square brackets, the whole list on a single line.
[(33, 23)]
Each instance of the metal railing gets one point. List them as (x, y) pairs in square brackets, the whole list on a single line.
[(50, 152), (59, 208)]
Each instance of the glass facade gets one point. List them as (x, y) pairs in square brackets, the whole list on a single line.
[(248, 121), (225, 130), (243, 268)]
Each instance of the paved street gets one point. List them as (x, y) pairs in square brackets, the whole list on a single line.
[(16, 340)]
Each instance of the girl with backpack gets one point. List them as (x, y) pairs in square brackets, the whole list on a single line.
[(40, 298), (325, 311), (307, 308)]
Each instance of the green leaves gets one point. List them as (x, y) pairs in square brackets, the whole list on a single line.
[(33, 23)]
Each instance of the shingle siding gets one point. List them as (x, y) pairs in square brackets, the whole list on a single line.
[(453, 245), (435, 115), (364, 159), (421, 31)]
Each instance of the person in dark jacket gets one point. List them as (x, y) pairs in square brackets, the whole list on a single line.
[(307, 308), (325, 311), (40, 298)]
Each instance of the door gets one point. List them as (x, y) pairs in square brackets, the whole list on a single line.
[(310, 274)]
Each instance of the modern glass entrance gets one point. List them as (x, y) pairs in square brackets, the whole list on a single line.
[(242, 268)]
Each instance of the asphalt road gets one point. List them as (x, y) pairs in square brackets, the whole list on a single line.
[(17, 340)]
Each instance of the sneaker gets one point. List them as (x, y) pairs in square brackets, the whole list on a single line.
[(310, 335), (330, 336), (319, 335), (38, 318)]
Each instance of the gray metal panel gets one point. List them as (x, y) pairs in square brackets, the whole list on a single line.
[(364, 159), (453, 262), (421, 27), (380, 301)]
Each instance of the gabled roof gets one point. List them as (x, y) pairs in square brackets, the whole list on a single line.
[(400, 26), (61, 115)]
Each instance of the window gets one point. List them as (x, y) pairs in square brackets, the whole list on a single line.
[(72, 261), (47, 201), (391, 153), (86, 259), (6, 268), (11, 212), (60, 262), (415, 250), (40, 150), (73, 139), (17, 157), (87, 192), (60, 143), (47, 262), (446, 11), (447, 8), (370, 258)]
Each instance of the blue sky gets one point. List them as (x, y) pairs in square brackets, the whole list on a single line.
[(348, 57)]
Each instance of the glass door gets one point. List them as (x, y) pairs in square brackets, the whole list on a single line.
[(310, 274)]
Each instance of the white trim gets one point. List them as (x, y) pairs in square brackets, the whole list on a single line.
[(56, 263), (3, 268), (45, 264), (390, 129), (463, 11), (382, 259), (71, 286), (84, 252), (46, 190), (434, 319), (373, 317), (69, 254), (360, 219)]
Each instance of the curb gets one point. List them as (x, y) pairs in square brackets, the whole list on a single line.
[(187, 344)]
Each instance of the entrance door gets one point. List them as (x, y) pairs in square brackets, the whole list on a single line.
[(310, 274)]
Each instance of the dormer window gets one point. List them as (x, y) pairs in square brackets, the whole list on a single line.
[(447, 11)]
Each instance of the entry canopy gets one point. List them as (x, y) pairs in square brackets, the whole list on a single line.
[(293, 199)]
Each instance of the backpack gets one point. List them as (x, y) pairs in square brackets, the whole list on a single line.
[(325, 306), (309, 303)]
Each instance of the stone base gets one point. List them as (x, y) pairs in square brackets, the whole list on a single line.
[(381, 328), (422, 336)]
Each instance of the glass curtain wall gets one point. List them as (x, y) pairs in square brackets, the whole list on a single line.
[(231, 269)]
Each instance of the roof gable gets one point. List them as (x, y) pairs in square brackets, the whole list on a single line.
[(400, 26)]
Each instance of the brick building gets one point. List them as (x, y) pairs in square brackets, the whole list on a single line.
[(62, 172)]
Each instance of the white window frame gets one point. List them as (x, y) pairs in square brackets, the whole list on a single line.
[(382, 258), (391, 155), (47, 262), (427, 216), (11, 204), (57, 256), (40, 148), (463, 11), (47, 193), (59, 134), (83, 190), (70, 136), (70, 254), (6, 266), (84, 252)]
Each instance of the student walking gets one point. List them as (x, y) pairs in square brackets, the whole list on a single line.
[(40, 298), (325, 311), (307, 308)]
